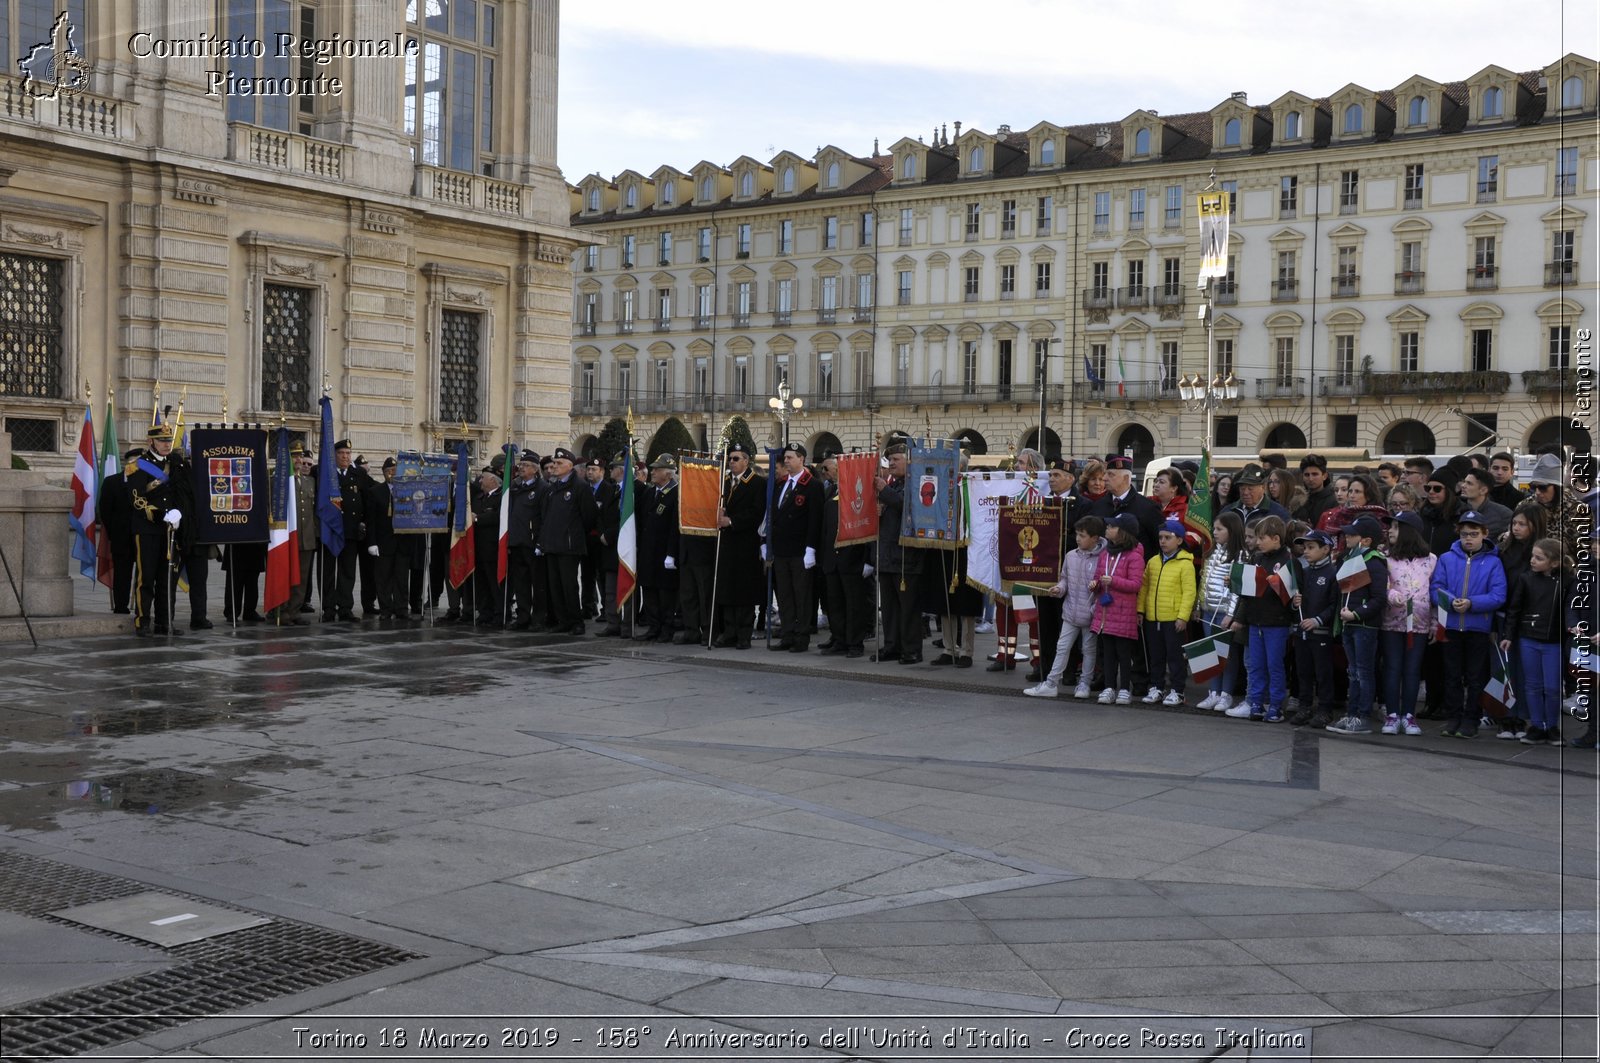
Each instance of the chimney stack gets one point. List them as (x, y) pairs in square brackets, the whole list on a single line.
[(1102, 137)]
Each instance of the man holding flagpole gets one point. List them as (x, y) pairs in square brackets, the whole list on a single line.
[(341, 519)]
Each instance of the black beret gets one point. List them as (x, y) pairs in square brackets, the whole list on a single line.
[(738, 448), (343, 444), (563, 454), (794, 448)]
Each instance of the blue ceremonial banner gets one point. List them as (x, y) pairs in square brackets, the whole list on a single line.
[(231, 484), (932, 514), (330, 500), (421, 492)]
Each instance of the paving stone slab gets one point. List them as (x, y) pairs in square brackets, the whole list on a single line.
[(504, 918)]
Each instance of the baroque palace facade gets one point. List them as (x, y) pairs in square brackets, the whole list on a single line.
[(363, 193), (1410, 269)]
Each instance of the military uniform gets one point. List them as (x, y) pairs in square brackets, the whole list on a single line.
[(339, 570), (594, 565), (845, 571), (610, 526), (520, 558), (899, 568), (567, 510), (114, 511), (793, 536), (741, 579), (161, 497), (487, 588), (657, 510)]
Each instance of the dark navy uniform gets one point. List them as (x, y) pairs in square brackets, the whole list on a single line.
[(339, 570), (793, 538), (567, 511), (161, 496), (741, 582)]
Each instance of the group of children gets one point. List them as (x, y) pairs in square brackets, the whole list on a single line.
[(1297, 606)]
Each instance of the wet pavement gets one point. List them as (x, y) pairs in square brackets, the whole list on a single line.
[(530, 827)]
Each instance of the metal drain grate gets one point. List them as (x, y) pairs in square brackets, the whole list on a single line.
[(212, 977)]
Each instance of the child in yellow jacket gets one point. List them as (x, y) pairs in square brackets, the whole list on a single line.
[(1166, 601)]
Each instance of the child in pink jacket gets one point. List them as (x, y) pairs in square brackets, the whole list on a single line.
[(1115, 617)]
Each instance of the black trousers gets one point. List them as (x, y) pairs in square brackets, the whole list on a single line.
[(370, 587), (849, 607), (739, 621), (241, 586), (153, 586), (589, 577), (338, 581), (393, 572), (1466, 670), (1313, 656), (902, 620), (694, 596), (1049, 630), (122, 566), (1169, 668), (658, 609), (197, 569), (519, 583), (791, 582), (565, 597)]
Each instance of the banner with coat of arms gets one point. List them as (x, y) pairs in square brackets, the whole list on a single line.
[(985, 493), (419, 494), (931, 516), (231, 484), (858, 499), (1028, 536)]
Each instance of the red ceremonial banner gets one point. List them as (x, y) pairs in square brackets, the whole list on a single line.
[(699, 496), (858, 499), (1029, 540)]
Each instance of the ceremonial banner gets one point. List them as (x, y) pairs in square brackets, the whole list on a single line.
[(463, 554), (420, 493), (983, 494), (858, 499), (627, 536), (1213, 210), (330, 500), (283, 548), (231, 484), (111, 465), (931, 518), (1197, 516), (699, 495), (85, 481), (1028, 538)]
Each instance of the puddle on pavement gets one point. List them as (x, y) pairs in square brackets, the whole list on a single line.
[(148, 792)]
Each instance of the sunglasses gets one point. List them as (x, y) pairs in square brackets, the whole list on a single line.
[(1434, 489)]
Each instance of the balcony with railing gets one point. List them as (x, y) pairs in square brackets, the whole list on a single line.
[(1421, 382), (1225, 293), (828, 315), (1169, 295), (471, 191), (1482, 278), (625, 327), (601, 402), (1346, 286), (1541, 381), (861, 314), (703, 321), (1133, 297), (663, 324), (782, 317), (1286, 290), (1283, 386), (1410, 282), (1560, 272), (285, 152), (83, 113), (1097, 298), (586, 328)]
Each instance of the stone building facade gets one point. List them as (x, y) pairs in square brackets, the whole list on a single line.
[(1410, 268), (381, 212)]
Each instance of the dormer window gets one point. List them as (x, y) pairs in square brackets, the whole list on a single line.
[(1291, 126), (631, 197), (1141, 142), (908, 168), (1493, 103), (1417, 111), (1572, 93), (833, 175), (975, 160), (788, 179), (747, 184), (667, 194), (594, 200), (1354, 118), (1047, 152), (1231, 133), (706, 188)]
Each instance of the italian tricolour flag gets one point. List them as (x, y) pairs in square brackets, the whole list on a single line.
[(627, 537), (1208, 656)]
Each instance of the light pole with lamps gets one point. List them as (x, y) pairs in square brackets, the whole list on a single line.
[(784, 404)]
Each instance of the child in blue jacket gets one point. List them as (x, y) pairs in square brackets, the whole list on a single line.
[(1470, 578)]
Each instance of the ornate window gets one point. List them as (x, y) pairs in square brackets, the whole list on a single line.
[(287, 322), (1354, 116), (32, 325), (1231, 132), (1291, 126), (1047, 152), (1417, 111), (264, 20), (450, 82), (460, 365), (1492, 105)]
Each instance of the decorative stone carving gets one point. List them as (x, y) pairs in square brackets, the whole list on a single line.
[(196, 190), (1098, 316), (457, 295), (37, 237), (291, 268), (380, 221)]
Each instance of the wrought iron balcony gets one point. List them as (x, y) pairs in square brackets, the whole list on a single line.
[(1422, 382), (1169, 295), (1097, 298), (1225, 293), (1482, 278), (1561, 271), (586, 328), (1409, 282), (1281, 387), (703, 321), (827, 316), (782, 317), (601, 402), (1133, 297), (1285, 291), (1347, 286)]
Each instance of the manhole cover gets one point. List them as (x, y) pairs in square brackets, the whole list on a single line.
[(160, 918)]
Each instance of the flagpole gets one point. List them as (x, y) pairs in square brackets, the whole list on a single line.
[(722, 483)]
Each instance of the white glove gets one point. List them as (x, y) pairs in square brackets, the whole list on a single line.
[(373, 550), (763, 551), (670, 564), (811, 557), (866, 571), (538, 551), (173, 517)]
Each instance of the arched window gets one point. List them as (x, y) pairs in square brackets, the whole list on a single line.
[(1354, 116), (833, 175), (908, 168), (1230, 133), (632, 196), (1047, 153), (594, 199), (1572, 92), (1141, 142), (1291, 126), (975, 161), (1492, 106), (705, 189), (747, 183), (667, 195), (1417, 113), (788, 178)]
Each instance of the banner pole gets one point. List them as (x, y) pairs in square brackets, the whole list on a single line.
[(716, 563)]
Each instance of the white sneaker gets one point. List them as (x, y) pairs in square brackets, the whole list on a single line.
[(1210, 700), (1409, 725), (1223, 703), (1240, 711), (1124, 697), (1173, 699), (1107, 696), (1391, 724), (1153, 697), (1043, 690), (1022, 655), (1081, 692), (984, 629)]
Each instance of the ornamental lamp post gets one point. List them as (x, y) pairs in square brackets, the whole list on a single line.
[(784, 404)]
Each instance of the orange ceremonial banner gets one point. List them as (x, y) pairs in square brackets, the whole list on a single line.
[(700, 492)]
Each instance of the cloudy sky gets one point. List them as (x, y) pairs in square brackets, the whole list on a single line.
[(646, 83)]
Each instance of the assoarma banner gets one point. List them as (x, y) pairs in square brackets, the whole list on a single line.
[(420, 492), (231, 485), (985, 493), (931, 518), (858, 499), (699, 494), (1028, 536)]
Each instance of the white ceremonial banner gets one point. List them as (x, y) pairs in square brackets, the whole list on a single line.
[(984, 493), (1213, 211)]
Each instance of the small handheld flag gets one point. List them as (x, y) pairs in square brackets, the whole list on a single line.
[(1353, 574), (1207, 657)]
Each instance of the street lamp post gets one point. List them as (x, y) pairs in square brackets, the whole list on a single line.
[(784, 404)]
